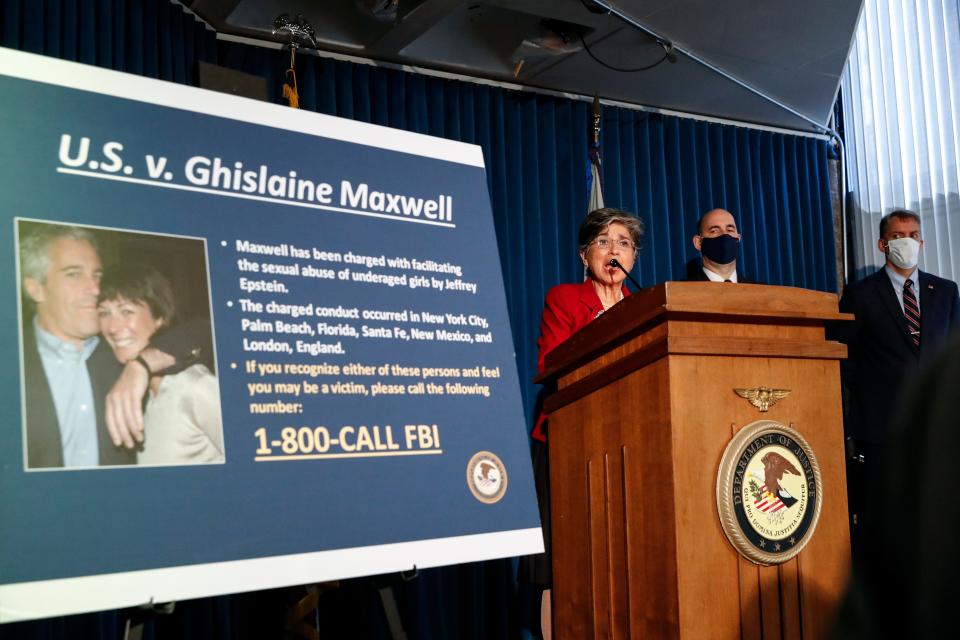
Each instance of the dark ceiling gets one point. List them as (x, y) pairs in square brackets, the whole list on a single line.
[(791, 54)]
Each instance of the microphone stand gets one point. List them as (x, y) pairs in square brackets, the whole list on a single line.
[(616, 263)]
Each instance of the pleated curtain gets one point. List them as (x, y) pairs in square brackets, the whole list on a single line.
[(667, 169)]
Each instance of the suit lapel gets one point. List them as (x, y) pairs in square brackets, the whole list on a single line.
[(929, 326), (890, 302), (928, 294), (44, 446)]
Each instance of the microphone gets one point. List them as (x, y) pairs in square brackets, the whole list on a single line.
[(616, 263)]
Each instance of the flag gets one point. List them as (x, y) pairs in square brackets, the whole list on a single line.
[(594, 176)]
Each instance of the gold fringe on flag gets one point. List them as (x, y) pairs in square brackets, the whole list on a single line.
[(290, 89)]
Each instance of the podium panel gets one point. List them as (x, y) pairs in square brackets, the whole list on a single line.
[(644, 409)]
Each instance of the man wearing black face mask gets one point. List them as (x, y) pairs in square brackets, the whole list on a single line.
[(718, 242)]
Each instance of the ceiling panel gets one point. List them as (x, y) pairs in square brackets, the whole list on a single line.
[(792, 52)]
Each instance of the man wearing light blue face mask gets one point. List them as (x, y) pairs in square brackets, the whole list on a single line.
[(904, 316), (718, 241)]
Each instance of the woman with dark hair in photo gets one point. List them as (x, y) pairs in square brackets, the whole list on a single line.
[(604, 234), (182, 423)]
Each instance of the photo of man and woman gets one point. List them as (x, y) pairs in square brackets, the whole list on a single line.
[(117, 358)]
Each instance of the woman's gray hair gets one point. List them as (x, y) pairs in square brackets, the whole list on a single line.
[(35, 241), (599, 219)]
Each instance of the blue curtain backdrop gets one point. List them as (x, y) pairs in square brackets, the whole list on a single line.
[(668, 169)]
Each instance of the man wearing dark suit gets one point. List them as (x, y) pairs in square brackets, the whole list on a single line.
[(82, 407), (904, 316), (718, 242), (66, 370)]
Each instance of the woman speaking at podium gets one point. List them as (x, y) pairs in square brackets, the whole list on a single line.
[(605, 235)]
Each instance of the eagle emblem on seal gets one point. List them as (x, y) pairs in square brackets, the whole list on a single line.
[(763, 397)]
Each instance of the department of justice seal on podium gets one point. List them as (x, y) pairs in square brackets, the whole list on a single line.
[(769, 492)]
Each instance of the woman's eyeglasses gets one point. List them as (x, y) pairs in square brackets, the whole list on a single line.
[(606, 243)]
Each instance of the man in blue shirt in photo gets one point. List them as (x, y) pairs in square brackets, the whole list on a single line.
[(62, 279)]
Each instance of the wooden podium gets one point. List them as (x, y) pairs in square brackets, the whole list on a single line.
[(643, 409)]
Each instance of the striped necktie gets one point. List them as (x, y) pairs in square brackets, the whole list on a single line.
[(912, 312)]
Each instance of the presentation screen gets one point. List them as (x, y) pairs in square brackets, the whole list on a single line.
[(248, 346)]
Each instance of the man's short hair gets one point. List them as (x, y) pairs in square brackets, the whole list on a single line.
[(699, 227), (599, 219), (899, 214), (35, 241), (141, 283)]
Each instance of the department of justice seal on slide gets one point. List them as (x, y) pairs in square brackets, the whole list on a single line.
[(486, 477)]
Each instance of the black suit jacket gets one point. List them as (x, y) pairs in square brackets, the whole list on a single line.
[(881, 354), (44, 446)]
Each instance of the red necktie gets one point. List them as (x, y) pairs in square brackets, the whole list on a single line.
[(912, 312)]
